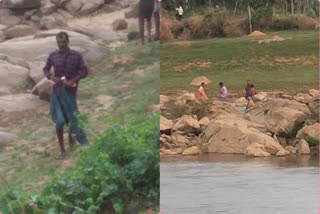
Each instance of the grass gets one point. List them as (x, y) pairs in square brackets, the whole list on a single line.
[(234, 60), (29, 168)]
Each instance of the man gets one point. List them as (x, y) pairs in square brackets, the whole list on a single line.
[(201, 93), (69, 68), (250, 103), (223, 91), (156, 14), (180, 13), (247, 89), (145, 12)]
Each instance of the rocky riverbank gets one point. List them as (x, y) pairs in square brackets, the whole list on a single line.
[(278, 124)]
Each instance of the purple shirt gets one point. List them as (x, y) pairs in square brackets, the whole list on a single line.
[(69, 65)]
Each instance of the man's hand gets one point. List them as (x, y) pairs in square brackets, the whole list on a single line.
[(57, 80), (68, 84)]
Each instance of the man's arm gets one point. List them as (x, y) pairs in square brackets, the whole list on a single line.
[(46, 71)]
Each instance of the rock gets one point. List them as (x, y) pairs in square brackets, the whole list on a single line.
[(303, 147), (168, 152), (219, 107), (186, 98), (260, 96), (22, 4), (256, 150), (30, 13), (36, 68), (311, 131), (15, 61), (20, 102), (43, 43), (48, 8), (279, 116), (19, 31), (2, 36), (42, 130), (82, 7), (314, 92), (133, 36), (35, 19), (187, 124), (283, 152), (10, 21), (12, 77), (204, 121), (164, 99), (291, 149), (165, 141), (65, 14), (119, 24), (191, 151), (3, 27), (60, 3), (313, 105), (165, 124), (241, 102), (6, 137), (133, 12), (302, 98), (94, 31), (43, 89), (217, 138), (179, 140), (49, 22)]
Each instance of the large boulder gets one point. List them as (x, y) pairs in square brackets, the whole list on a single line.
[(82, 7), (19, 31), (186, 98), (303, 147), (179, 140), (241, 102), (22, 4), (94, 31), (187, 124), (20, 102), (165, 124), (6, 138), (36, 68), (314, 92), (43, 89), (280, 116), (50, 22), (2, 36), (60, 3), (313, 105), (12, 77), (133, 12), (260, 96), (256, 150), (48, 8), (217, 138), (194, 150), (43, 43), (302, 98), (10, 20), (311, 131), (164, 99)]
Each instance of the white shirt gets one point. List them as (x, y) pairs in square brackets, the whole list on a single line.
[(180, 11)]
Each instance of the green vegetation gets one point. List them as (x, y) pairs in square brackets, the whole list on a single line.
[(119, 172), (289, 65)]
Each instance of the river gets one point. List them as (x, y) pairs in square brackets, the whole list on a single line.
[(236, 184)]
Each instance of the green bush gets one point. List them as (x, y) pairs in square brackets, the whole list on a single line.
[(121, 166), (312, 141), (283, 24)]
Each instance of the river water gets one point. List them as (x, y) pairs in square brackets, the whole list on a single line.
[(227, 184)]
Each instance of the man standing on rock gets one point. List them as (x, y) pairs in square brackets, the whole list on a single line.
[(145, 12), (248, 89), (69, 68)]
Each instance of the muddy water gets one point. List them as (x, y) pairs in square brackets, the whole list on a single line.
[(226, 184)]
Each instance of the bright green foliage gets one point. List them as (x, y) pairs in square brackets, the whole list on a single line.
[(121, 165)]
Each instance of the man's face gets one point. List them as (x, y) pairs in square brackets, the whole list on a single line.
[(62, 43)]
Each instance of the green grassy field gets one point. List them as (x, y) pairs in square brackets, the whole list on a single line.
[(291, 65)]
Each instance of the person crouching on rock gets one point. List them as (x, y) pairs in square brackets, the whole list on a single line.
[(201, 93), (223, 91), (69, 67), (145, 12)]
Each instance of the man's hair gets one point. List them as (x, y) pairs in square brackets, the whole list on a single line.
[(62, 34), (220, 83)]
